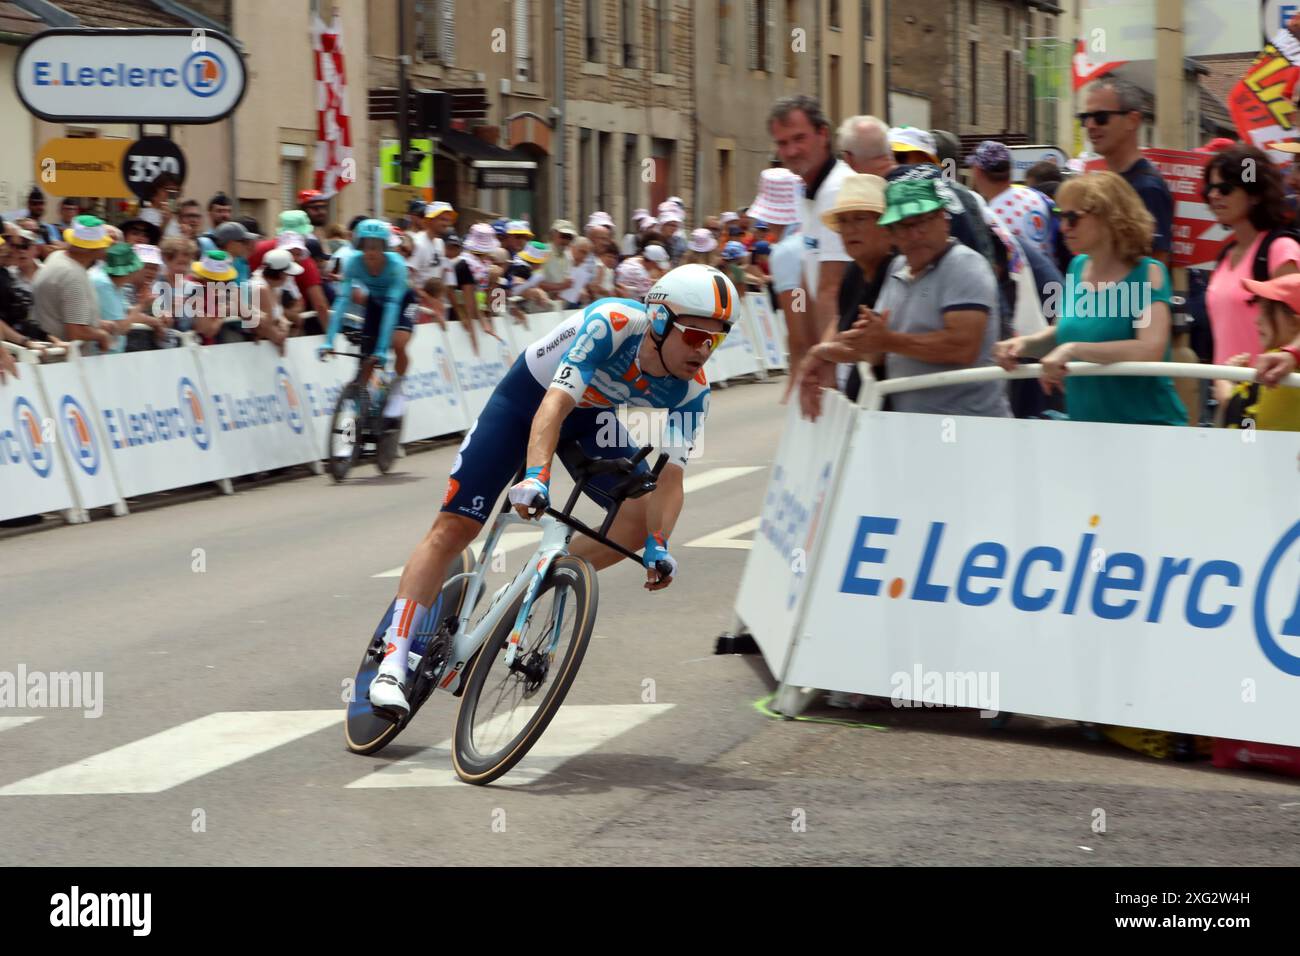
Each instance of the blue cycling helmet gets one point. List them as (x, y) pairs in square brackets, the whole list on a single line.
[(371, 229)]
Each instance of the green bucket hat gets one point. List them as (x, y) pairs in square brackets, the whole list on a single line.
[(908, 198), (121, 260), (295, 220)]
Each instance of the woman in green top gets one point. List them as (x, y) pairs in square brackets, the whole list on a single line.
[(1114, 308)]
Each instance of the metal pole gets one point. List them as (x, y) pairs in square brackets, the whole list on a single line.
[(403, 124), (561, 184)]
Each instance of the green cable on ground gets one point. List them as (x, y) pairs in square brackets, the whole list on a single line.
[(760, 705)]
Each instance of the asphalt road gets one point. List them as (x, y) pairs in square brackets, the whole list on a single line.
[(224, 628)]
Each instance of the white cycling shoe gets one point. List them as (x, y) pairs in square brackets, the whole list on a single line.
[(388, 697)]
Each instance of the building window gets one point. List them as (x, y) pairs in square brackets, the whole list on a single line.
[(663, 36), (1009, 94), (631, 173), (593, 30), (663, 186), (974, 82), (867, 25), (1006, 19), (602, 171), (435, 31), (724, 31), (833, 14), (584, 173), (792, 21), (866, 88), (760, 30), (833, 82), (523, 40), (629, 29), (292, 157), (724, 178), (974, 13)]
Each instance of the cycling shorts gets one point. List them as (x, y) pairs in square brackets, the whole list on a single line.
[(494, 449), (375, 318)]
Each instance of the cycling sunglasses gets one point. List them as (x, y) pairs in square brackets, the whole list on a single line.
[(694, 337), (1100, 117)]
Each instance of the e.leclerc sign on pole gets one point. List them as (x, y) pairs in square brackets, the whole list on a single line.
[(129, 76)]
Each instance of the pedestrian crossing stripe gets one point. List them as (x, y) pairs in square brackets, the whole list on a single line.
[(729, 537), (177, 755), (9, 723), (575, 730)]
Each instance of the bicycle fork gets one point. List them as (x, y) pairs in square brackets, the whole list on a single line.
[(555, 541)]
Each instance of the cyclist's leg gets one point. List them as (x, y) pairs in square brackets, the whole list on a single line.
[(491, 454)]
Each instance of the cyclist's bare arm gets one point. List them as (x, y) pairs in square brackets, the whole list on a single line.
[(664, 506), (545, 433)]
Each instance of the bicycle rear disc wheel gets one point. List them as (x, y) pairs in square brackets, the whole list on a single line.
[(344, 443), (504, 711), (365, 731), (386, 449)]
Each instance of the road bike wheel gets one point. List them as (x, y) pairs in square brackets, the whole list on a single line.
[(386, 449), (365, 731), (344, 446), (504, 711)]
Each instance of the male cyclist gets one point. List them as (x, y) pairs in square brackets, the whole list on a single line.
[(567, 385), (389, 303)]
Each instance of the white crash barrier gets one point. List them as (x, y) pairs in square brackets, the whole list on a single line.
[(738, 354), (261, 419), (434, 403), (33, 475), (156, 420), (479, 373), (1063, 569), (321, 382), (768, 330), (78, 433)]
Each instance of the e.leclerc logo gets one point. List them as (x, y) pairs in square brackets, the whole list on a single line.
[(24, 442), (203, 74), (140, 427), (79, 435), (1124, 584)]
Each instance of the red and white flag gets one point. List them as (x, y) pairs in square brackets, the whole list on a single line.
[(334, 165), (1084, 70)]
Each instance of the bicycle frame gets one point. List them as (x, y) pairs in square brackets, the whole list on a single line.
[(555, 544)]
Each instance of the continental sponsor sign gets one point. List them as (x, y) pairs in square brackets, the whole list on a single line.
[(83, 167)]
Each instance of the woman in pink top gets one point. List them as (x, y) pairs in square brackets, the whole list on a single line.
[(1244, 191)]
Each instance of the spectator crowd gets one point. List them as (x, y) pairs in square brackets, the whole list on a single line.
[(864, 238)]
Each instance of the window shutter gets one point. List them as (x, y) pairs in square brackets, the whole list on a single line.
[(751, 33), (523, 49), (769, 60), (448, 35)]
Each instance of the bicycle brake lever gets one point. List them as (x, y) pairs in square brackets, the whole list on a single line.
[(659, 464)]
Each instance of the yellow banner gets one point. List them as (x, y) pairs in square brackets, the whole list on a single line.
[(90, 167), (397, 198)]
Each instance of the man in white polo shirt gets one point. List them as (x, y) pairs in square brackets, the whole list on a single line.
[(802, 136)]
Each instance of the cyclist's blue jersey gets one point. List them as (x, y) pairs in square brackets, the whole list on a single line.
[(389, 287), (593, 357)]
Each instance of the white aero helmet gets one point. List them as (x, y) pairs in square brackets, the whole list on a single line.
[(696, 290)]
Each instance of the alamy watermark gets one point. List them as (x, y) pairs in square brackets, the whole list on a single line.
[(55, 690), (973, 689)]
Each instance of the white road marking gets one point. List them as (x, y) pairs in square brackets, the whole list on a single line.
[(9, 723), (178, 754), (576, 729), (514, 540), (729, 537)]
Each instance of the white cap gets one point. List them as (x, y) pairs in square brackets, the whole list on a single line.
[(291, 241), (727, 217), (281, 260), (149, 255)]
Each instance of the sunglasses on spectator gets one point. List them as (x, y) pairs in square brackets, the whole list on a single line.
[(694, 337), (1222, 188), (1100, 117), (20, 245), (1071, 218)]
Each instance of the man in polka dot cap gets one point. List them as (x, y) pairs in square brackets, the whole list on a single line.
[(1025, 213)]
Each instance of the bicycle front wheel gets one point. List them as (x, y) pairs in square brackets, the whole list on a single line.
[(505, 709)]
